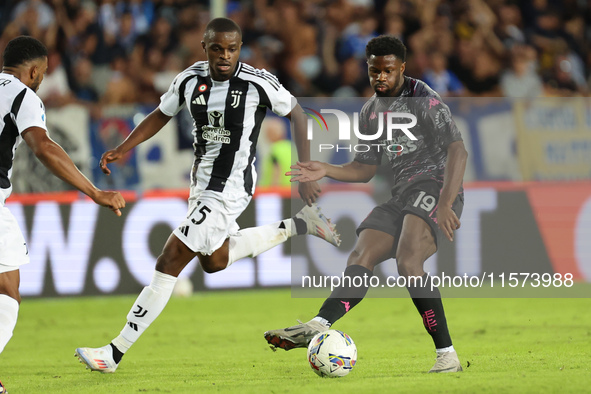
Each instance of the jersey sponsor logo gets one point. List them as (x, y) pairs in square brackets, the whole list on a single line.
[(442, 118), (433, 102), (199, 100), (216, 119), (4, 82), (215, 131), (236, 94)]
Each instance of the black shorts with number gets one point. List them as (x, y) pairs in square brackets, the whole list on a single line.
[(420, 199)]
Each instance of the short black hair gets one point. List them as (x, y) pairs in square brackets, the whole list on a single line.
[(21, 50), (386, 45), (222, 25)]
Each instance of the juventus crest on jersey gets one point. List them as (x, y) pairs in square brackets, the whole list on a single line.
[(20, 108), (227, 119)]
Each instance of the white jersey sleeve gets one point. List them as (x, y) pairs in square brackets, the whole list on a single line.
[(31, 113), (171, 102), (281, 100), (274, 95)]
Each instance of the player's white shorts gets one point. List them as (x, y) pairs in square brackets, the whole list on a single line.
[(211, 219), (13, 248)]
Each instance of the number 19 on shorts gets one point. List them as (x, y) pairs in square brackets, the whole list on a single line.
[(425, 201)]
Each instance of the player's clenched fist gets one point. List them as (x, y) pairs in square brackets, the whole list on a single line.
[(112, 200)]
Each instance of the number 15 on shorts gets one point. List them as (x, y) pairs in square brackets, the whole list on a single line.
[(203, 210)]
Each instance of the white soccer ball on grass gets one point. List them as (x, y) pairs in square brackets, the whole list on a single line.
[(332, 354)]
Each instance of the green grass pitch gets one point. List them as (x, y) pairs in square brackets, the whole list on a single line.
[(213, 342)]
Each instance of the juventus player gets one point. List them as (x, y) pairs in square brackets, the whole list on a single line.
[(427, 200), (22, 117), (228, 101)]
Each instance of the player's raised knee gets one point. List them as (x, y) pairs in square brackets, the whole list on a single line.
[(213, 263)]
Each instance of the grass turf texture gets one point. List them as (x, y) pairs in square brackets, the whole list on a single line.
[(214, 342)]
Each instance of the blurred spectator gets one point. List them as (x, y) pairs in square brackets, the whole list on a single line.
[(394, 25), (55, 90), (161, 37), (277, 160), (562, 80), (127, 33), (510, 28), (353, 79), (120, 88), (36, 13), (440, 79), (316, 48), (483, 80), (141, 12), (478, 69), (522, 79), (108, 18), (356, 36), (299, 57), (83, 87)]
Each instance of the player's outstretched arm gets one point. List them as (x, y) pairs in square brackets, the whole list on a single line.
[(452, 180), (59, 163), (312, 171), (148, 127), (309, 190)]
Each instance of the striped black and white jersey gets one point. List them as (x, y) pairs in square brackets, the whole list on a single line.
[(227, 119), (20, 108)]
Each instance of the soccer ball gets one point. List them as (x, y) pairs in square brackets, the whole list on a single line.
[(182, 288), (332, 353)]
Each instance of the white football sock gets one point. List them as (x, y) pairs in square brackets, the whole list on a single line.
[(251, 242), (445, 349), (145, 310), (8, 316), (323, 321)]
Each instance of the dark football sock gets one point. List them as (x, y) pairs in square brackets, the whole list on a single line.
[(428, 303), (346, 296), (117, 355)]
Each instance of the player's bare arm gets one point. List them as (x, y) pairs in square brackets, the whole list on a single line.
[(148, 127), (312, 171), (59, 163), (309, 190), (454, 173)]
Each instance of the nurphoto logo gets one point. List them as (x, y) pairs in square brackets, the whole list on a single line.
[(395, 122)]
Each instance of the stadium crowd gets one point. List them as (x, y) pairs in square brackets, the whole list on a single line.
[(128, 51)]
